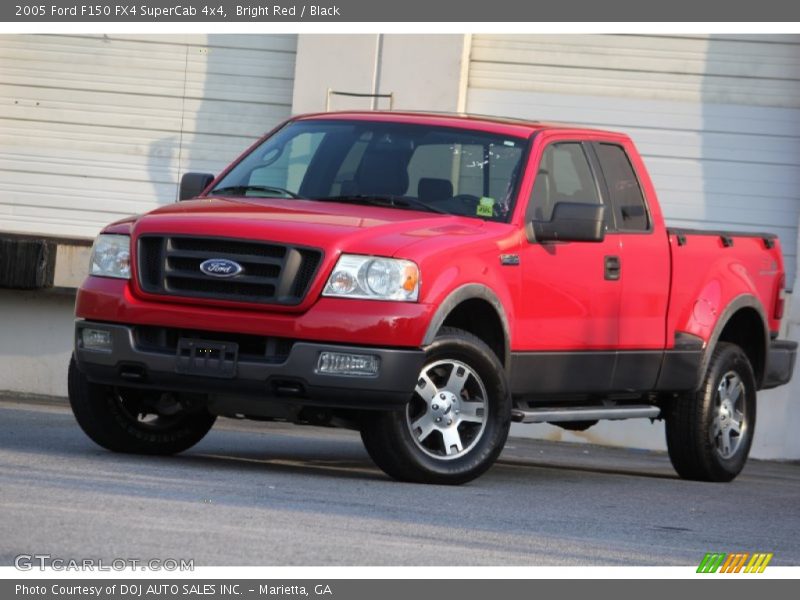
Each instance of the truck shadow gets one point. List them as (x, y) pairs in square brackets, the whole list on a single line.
[(277, 448), (613, 470)]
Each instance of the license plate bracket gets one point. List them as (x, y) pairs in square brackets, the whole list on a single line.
[(207, 359)]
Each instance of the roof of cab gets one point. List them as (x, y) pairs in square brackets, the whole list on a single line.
[(505, 125)]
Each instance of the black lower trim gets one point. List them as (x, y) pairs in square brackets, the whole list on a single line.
[(593, 372), (637, 371), (538, 373), (293, 380), (680, 370), (780, 363), (604, 372)]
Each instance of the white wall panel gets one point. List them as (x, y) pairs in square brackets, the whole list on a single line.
[(95, 127)]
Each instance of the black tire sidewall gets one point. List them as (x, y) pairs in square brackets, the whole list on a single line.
[(422, 467), (728, 358), (101, 417)]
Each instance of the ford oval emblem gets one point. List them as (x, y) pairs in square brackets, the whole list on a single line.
[(220, 267)]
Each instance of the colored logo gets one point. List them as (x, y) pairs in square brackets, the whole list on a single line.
[(739, 562), (220, 267)]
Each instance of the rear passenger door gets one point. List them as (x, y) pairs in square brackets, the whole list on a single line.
[(644, 270)]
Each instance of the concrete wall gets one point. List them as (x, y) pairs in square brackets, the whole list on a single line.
[(319, 64), (35, 341), (422, 72)]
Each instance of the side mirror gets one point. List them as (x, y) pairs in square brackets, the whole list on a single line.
[(193, 184), (571, 222)]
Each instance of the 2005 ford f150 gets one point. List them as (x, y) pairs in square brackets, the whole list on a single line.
[(428, 279)]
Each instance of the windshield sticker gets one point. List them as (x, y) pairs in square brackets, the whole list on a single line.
[(485, 207)]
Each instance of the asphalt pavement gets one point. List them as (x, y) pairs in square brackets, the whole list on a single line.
[(275, 494)]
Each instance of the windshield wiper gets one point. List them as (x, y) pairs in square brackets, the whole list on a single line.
[(240, 190), (379, 200)]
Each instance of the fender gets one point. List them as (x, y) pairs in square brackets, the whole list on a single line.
[(738, 303), (470, 291)]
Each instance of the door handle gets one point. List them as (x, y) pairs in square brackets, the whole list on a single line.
[(613, 268)]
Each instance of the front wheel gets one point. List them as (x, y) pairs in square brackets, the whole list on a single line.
[(136, 421), (709, 432), (457, 421)]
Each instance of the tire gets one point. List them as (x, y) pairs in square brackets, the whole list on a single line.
[(709, 432), (410, 445), (136, 421)]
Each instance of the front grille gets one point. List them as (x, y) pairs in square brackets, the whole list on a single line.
[(252, 348), (271, 273)]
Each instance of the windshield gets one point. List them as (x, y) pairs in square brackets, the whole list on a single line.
[(407, 166)]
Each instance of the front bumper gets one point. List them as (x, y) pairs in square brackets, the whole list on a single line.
[(294, 379), (780, 363)]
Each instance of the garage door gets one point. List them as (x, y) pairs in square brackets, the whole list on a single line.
[(95, 128), (716, 118)]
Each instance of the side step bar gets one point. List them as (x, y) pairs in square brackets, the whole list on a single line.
[(590, 413)]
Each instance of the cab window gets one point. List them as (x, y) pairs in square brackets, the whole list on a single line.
[(624, 191), (564, 176)]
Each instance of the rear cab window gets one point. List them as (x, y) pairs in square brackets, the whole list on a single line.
[(624, 191)]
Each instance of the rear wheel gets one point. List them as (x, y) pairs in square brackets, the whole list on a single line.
[(457, 421), (709, 433), (137, 421)]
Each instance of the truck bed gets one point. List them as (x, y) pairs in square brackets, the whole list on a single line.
[(711, 268)]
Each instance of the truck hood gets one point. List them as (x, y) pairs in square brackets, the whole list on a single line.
[(332, 226)]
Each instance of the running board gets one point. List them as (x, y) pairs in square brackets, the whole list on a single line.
[(583, 413)]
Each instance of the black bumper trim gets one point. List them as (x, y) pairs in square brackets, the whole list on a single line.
[(780, 363), (294, 380)]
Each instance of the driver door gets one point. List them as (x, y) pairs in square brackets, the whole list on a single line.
[(570, 298)]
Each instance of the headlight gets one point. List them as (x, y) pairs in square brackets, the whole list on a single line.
[(111, 256), (373, 278)]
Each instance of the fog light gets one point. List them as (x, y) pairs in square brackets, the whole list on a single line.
[(96, 339), (352, 365)]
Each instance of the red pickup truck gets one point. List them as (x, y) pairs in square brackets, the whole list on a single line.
[(428, 279)]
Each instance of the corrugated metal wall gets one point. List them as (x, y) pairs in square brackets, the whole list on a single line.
[(94, 128), (717, 118)]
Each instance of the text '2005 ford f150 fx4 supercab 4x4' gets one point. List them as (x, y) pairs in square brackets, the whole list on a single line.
[(428, 279)]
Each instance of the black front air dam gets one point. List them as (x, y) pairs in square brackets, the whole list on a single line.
[(294, 379)]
